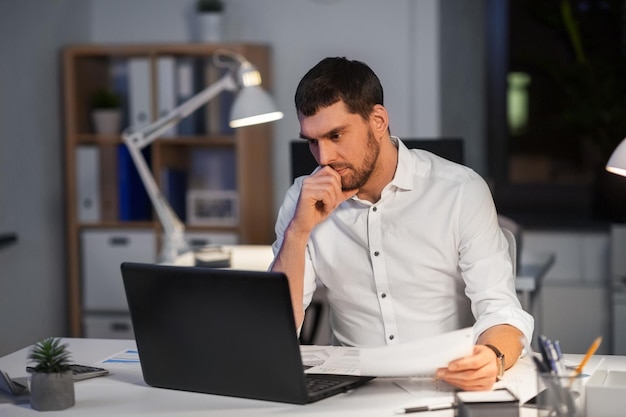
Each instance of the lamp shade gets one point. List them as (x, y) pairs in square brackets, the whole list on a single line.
[(252, 106), (617, 161)]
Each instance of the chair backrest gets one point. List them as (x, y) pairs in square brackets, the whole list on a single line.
[(514, 227), (510, 238)]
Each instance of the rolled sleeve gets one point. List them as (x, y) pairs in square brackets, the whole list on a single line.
[(486, 264), (285, 214)]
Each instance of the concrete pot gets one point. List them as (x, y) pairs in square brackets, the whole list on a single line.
[(210, 27), (50, 392), (107, 121)]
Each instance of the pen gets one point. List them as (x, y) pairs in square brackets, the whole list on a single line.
[(542, 349), (436, 407), (592, 349), (553, 357), (548, 353), (559, 357)]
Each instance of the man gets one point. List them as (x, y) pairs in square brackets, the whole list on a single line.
[(403, 240)]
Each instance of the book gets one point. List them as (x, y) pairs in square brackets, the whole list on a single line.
[(134, 202)]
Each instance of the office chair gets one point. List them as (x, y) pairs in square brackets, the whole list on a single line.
[(510, 238), (515, 229), (315, 317)]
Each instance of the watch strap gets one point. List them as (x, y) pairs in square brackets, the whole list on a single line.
[(500, 358)]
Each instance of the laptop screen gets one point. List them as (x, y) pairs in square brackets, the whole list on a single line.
[(215, 331)]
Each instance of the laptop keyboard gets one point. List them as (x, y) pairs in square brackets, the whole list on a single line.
[(317, 383)]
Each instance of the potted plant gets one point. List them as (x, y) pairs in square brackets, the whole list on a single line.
[(209, 13), (52, 382), (106, 112)]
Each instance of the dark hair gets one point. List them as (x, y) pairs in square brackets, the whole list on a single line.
[(334, 79)]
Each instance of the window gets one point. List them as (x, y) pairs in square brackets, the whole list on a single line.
[(557, 106)]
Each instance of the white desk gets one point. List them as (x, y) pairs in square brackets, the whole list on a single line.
[(123, 393)]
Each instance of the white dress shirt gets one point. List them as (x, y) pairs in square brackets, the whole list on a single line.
[(410, 265)]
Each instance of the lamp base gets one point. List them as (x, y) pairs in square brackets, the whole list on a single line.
[(184, 259)]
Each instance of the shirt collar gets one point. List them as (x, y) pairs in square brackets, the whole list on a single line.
[(402, 179)]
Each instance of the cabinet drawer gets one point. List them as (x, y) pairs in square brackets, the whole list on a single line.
[(114, 326), (103, 252)]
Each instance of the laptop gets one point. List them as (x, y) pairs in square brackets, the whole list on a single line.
[(221, 331)]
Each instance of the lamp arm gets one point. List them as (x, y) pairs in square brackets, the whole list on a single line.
[(147, 134), (174, 243)]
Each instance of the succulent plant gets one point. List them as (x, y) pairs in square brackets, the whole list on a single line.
[(210, 6), (50, 356), (105, 99)]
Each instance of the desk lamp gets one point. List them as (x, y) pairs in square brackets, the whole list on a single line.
[(251, 106), (617, 161)]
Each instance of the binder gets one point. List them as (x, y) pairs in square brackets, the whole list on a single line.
[(134, 203), (174, 188), (88, 183), (218, 109), (166, 89), (109, 197), (140, 98), (119, 84), (213, 111), (186, 87)]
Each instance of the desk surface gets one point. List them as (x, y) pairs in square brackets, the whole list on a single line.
[(123, 392)]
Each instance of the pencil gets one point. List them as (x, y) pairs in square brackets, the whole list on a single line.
[(592, 349)]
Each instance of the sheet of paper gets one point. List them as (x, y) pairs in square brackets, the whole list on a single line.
[(124, 359), (521, 379), (418, 358), (421, 357), (427, 391), (339, 360)]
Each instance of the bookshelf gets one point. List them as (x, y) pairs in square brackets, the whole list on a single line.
[(94, 164)]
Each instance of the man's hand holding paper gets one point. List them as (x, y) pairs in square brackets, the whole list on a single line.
[(473, 372), (418, 358)]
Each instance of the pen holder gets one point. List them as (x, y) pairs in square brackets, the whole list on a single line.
[(560, 395)]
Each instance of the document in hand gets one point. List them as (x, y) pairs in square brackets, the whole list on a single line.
[(418, 358)]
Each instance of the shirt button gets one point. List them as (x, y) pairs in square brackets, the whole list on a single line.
[(374, 208), (391, 337), (383, 295), (376, 253)]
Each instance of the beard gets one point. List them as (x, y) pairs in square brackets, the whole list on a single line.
[(357, 177)]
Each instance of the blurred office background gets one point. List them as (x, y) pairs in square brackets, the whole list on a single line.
[(450, 68)]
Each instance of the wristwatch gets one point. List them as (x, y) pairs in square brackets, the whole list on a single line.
[(500, 359)]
